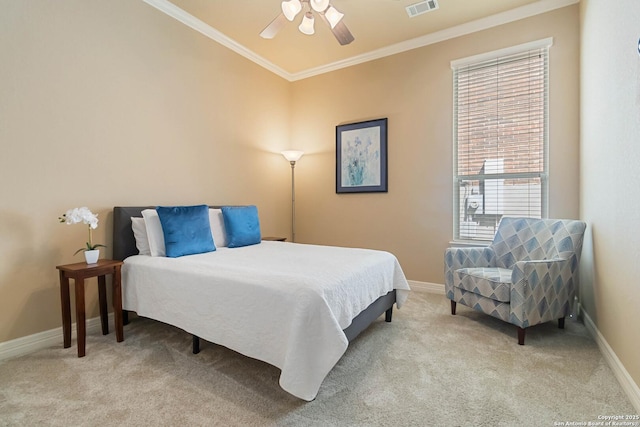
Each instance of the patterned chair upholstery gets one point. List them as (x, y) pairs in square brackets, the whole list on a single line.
[(526, 276)]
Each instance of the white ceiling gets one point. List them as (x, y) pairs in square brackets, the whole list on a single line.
[(380, 28)]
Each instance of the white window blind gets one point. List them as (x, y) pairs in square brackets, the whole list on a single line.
[(500, 138)]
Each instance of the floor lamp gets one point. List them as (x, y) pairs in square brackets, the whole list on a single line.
[(293, 156)]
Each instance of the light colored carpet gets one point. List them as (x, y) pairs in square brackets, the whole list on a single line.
[(425, 368)]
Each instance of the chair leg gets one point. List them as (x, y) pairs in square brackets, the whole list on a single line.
[(561, 323), (520, 335), (453, 307)]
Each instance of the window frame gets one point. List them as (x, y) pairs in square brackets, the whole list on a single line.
[(543, 46)]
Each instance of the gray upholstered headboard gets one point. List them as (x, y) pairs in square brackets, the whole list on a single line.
[(124, 244)]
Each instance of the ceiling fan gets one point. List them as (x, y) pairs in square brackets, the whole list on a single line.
[(328, 13)]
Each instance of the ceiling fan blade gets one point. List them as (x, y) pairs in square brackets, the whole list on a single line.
[(274, 26), (340, 31)]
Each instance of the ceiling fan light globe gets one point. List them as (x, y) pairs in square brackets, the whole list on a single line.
[(290, 8), (306, 27), (333, 16), (319, 5)]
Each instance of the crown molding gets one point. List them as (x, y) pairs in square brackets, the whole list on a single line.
[(522, 12), (532, 9), (207, 30)]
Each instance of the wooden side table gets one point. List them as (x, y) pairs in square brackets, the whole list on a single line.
[(78, 272), (276, 239)]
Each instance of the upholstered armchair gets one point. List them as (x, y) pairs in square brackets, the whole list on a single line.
[(526, 276)]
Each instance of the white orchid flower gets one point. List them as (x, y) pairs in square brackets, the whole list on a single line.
[(85, 216)]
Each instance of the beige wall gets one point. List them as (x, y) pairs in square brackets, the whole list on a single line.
[(106, 103), (114, 103), (610, 155), (414, 91)]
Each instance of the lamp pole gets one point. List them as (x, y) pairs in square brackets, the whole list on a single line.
[(293, 201), (293, 156)]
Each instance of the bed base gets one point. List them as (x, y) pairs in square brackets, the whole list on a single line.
[(384, 304)]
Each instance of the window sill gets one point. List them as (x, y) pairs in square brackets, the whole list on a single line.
[(468, 243)]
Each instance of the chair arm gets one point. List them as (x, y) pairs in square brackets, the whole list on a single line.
[(542, 290), (456, 258)]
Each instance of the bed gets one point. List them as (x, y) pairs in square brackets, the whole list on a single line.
[(294, 306)]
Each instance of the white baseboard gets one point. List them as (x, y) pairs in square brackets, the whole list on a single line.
[(627, 383), (50, 338), (434, 288)]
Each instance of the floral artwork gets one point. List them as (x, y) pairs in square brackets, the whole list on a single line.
[(361, 157)]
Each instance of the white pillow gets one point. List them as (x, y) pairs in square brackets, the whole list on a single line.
[(140, 233), (217, 228), (154, 232)]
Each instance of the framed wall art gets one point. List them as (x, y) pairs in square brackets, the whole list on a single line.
[(361, 157)]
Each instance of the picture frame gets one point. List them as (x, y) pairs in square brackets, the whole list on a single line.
[(361, 157)]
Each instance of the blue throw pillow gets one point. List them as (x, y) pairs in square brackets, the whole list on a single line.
[(242, 225), (186, 230)]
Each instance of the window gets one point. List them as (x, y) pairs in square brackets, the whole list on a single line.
[(500, 135)]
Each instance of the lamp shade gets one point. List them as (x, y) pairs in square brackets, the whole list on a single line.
[(319, 5), (292, 155), (333, 16), (306, 26), (291, 8)]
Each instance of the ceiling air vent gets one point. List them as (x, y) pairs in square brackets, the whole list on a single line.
[(421, 7)]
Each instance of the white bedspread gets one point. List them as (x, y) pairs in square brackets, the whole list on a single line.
[(282, 303)]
